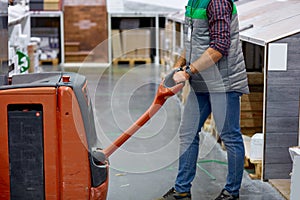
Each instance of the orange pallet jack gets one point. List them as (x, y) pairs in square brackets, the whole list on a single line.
[(49, 147)]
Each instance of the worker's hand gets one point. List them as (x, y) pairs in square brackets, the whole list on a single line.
[(180, 76)]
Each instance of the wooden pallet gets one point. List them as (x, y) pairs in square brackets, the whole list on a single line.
[(131, 61), (256, 164), (162, 61), (251, 164), (53, 61), (283, 186), (258, 168)]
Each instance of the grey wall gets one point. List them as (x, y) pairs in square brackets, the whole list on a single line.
[(282, 113)]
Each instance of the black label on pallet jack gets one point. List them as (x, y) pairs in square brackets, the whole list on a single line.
[(26, 154)]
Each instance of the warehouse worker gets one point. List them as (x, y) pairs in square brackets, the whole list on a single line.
[(214, 65)]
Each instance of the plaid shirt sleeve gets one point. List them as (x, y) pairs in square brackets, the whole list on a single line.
[(219, 19)]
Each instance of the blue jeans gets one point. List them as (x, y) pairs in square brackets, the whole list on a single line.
[(226, 112)]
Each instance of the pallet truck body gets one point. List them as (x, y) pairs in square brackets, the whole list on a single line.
[(49, 145), (47, 135)]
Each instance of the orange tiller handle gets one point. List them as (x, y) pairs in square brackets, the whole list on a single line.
[(162, 94)]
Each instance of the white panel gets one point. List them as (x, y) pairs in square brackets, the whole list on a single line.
[(295, 181), (277, 57)]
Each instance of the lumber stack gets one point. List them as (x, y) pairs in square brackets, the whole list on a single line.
[(45, 5), (252, 105)]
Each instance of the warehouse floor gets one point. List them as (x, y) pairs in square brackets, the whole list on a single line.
[(145, 167)]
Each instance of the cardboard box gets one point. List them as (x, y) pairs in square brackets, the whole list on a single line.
[(117, 50), (136, 43), (52, 5), (38, 5)]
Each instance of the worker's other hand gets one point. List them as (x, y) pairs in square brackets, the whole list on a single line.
[(180, 76)]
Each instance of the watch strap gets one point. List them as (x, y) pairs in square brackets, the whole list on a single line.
[(188, 71)]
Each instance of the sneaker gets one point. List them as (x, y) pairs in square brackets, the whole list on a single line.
[(173, 195), (226, 196)]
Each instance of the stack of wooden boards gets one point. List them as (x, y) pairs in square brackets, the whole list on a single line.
[(85, 33), (252, 118), (46, 5), (252, 105), (73, 53)]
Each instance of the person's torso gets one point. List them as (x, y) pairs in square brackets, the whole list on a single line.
[(229, 73)]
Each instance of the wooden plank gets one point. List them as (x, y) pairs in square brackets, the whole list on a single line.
[(281, 139), (250, 131), (255, 78), (277, 171), (276, 155), (293, 59), (282, 124), (253, 96), (283, 186), (282, 109), (250, 106), (279, 93), (255, 122), (287, 78), (256, 88), (293, 42), (52, 6), (251, 114)]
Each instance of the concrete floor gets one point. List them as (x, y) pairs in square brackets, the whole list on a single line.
[(145, 167)]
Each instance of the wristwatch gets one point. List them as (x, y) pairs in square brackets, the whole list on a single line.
[(179, 69), (188, 71)]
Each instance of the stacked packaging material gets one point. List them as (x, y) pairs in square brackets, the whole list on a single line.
[(45, 5)]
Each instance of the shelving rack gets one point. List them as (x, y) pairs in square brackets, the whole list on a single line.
[(18, 34), (118, 10), (3, 39), (60, 29)]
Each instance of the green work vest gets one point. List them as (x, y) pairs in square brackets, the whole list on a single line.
[(229, 73)]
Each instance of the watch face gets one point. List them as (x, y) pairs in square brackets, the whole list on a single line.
[(188, 71), (179, 69)]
